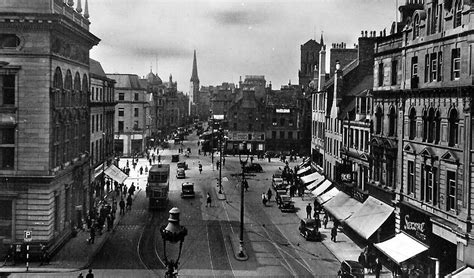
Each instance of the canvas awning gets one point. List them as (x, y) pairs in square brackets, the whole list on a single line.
[(315, 183), (303, 170), (306, 162), (342, 206), (327, 196), (116, 174), (311, 177), (393, 248), (323, 187), (463, 272), (369, 217)]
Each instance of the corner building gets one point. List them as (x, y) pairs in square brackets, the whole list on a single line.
[(44, 88), (423, 131)]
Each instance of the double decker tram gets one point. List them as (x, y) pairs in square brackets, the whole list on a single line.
[(158, 186)]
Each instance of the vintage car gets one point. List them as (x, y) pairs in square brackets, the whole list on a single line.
[(350, 269), (309, 229), (286, 205), (278, 174), (253, 167), (180, 173), (183, 164), (187, 190), (175, 158), (277, 182)]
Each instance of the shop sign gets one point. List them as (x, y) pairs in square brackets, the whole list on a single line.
[(283, 111), (415, 223)]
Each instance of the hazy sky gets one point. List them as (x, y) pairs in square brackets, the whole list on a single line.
[(232, 38)]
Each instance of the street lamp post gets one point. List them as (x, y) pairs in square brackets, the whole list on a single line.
[(241, 235), (221, 139), (172, 234)]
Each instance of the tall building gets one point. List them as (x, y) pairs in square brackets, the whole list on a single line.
[(194, 89), (44, 89), (309, 61)]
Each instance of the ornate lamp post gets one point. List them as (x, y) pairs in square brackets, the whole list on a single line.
[(172, 234), (241, 235)]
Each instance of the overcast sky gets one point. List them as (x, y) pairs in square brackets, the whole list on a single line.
[(232, 38)]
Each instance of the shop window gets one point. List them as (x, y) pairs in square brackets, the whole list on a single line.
[(7, 83), (411, 177), (412, 124), (453, 128), (451, 187), (456, 64)]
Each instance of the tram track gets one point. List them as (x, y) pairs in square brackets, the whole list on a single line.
[(147, 246)]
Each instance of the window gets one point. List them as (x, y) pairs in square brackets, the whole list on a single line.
[(437, 121), (6, 220), (414, 66), (380, 74), (411, 177), (282, 135), (429, 186), (120, 126), (394, 72), (434, 67), (7, 148), (274, 134), (9, 41), (7, 89), (121, 96), (378, 121), (427, 67), (412, 124), (451, 187), (290, 135), (92, 124), (457, 14), (440, 66), (274, 121), (456, 64), (282, 121), (391, 122), (453, 128), (121, 112), (416, 27), (57, 216), (425, 125), (431, 125), (135, 112), (290, 122), (135, 125), (136, 97)]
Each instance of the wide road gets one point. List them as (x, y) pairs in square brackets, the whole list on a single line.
[(271, 237)]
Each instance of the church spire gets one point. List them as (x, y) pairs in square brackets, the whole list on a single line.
[(321, 41), (194, 75)]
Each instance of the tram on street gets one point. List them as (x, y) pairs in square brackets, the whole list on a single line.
[(158, 186)]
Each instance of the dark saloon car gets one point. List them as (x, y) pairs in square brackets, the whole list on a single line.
[(187, 190), (309, 229), (253, 167), (183, 164), (350, 269)]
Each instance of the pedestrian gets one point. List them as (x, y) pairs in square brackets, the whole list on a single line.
[(92, 233), (361, 259), (264, 199), (80, 275), (200, 168), (269, 194), (131, 190), (110, 222), (10, 255), (159, 158), (208, 200), (122, 206), (325, 221), (141, 170), (129, 202), (246, 185), (124, 192), (149, 160), (377, 267), (308, 211), (44, 254), (90, 274), (333, 233)]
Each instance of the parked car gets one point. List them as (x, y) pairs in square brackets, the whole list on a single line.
[(253, 167), (175, 158), (309, 229), (286, 205), (277, 182), (180, 173), (187, 190), (278, 174), (183, 164), (350, 269)]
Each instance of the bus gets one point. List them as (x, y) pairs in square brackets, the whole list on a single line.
[(158, 186)]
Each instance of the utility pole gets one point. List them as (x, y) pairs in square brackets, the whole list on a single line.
[(220, 160)]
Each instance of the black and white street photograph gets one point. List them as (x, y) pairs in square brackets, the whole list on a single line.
[(236, 138)]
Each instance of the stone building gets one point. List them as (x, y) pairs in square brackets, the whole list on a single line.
[(44, 81), (221, 97), (309, 61), (102, 115), (133, 101), (422, 137)]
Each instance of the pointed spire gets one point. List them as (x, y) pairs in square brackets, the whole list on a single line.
[(321, 41), (79, 6), (86, 10), (194, 75)]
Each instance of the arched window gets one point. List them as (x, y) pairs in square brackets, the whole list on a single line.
[(457, 14), (453, 128), (68, 87), (77, 89), (416, 27), (85, 90), (437, 127), (58, 79), (431, 125), (425, 125), (412, 123), (378, 120), (391, 122)]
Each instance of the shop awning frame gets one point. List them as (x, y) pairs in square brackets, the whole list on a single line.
[(327, 196), (369, 217), (315, 183), (116, 174), (391, 247), (342, 206), (322, 188), (311, 177)]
